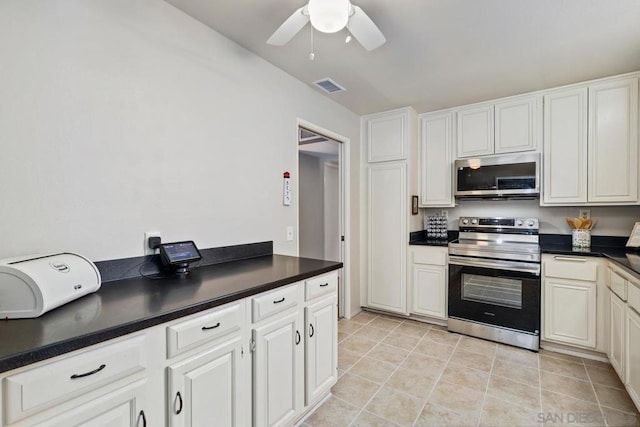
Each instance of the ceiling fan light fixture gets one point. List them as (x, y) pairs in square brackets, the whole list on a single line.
[(329, 16)]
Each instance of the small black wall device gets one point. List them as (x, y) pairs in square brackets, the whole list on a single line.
[(177, 256)]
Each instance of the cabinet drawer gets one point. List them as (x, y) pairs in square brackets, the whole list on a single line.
[(618, 284), (431, 256), (576, 268), (273, 302), (633, 297), (204, 328), (42, 387), (320, 286)]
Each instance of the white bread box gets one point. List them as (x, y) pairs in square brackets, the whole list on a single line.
[(31, 286)]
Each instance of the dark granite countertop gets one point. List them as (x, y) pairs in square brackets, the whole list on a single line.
[(419, 238), (124, 306)]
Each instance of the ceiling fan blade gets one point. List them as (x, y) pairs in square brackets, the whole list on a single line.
[(364, 30), (289, 28)]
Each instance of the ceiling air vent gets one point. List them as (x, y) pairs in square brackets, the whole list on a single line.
[(329, 85)]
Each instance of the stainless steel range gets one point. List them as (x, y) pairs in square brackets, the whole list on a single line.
[(494, 280)]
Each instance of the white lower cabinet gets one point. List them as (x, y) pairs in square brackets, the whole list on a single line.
[(105, 382), (120, 408), (277, 364), (632, 355), (569, 300), (617, 314), (321, 347), (570, 312), (295, 352), (429, 281), (208, 386), (227, 366)]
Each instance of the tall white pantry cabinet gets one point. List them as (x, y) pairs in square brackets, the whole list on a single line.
[(390, 176)]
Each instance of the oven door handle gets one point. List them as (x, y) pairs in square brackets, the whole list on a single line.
[(523, 267)]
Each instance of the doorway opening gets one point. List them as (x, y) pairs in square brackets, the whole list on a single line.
[(321, 201)]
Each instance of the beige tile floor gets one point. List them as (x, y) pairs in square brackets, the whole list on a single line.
[(399, 372)]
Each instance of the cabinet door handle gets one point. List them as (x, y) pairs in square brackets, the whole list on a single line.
[(207, 328), (142, 416), (178, 401), (311, 330), (324, 285), (86, 374), (279, 301), (297, 337), (564, 258)]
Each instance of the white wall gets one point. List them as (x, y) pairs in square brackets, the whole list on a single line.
[(611, 220), (119, 117)]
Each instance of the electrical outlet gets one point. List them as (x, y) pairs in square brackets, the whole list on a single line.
[(444, 213), (147, 249), (585, 213), (289, 233)]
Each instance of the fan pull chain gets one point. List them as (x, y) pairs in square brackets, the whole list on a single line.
[(312, 55)]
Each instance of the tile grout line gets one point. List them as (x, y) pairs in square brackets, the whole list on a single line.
[(486, 388), (540, 383), (593, 388)]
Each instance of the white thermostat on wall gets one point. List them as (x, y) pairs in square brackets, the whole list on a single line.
[(31, 286)]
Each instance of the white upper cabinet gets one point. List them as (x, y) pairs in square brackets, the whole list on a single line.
[(387, 136), (613, 141), (565, 147), (516, 125), (503, 127), (436, 134), (591, 144), (475, 131)]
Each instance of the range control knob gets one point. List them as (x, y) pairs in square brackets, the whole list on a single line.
[(465, 221), (474, 221), (531, 223), (519, 223)]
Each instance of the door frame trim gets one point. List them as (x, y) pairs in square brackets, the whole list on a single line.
[(345, 198)]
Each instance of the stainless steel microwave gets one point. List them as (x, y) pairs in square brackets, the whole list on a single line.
[(495, 177)]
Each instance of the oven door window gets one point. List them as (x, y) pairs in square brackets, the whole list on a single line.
[(501, 291)]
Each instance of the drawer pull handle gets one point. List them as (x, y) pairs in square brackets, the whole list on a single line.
[(279, 301), (86, 374), (178, 401), (311, 330), (564, 258), (144, 419), (324, 285), (297, 337), (208, 328)]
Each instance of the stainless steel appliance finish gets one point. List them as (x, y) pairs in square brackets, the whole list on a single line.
[(497, 177), (494, 280)]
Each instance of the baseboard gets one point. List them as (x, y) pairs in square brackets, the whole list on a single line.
[(574, 351)]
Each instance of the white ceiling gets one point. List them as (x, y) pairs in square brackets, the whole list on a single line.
[(443, 53)]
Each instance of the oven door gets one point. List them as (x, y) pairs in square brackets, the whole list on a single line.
[(495, 292)]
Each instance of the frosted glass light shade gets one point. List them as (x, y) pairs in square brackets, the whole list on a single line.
[(328, 16)]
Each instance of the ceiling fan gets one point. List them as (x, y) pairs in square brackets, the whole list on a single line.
[(330, 16)]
